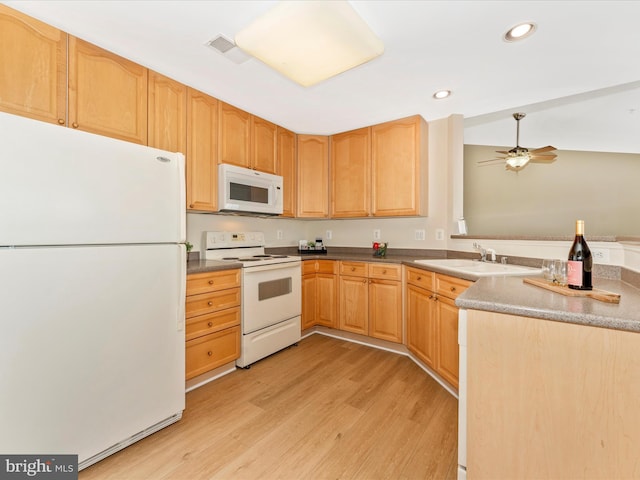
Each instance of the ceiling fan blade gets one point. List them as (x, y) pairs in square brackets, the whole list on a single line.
[(492, 160), (544, 157), (504, 152), (486, 163), (548, 148)]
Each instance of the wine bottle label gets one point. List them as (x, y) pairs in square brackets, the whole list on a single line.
[(574, 273)]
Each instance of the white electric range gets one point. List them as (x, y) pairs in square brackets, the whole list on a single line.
[(271, 292)]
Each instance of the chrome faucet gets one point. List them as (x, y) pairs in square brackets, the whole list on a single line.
[(484, 251)]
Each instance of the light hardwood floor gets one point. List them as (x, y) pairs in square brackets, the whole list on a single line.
[(326, 409)]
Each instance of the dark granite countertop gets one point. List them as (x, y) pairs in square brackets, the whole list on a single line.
[(511, 295), (502, 294), (200, 266)]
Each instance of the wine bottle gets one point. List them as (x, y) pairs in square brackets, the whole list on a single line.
[(580, 262)]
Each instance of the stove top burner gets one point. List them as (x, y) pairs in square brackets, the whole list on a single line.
[(262, 256), (230, 258), (250, 259)]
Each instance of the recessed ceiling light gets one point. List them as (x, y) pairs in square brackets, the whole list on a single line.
[(440, 94), (520, 31)]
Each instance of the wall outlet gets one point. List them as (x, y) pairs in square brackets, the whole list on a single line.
[(439, 234), (279, 234), (419, 235), (376, 234), (328, 234), (600, 255)]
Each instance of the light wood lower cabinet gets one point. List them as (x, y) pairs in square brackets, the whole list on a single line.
[(432, 320), (549, 399), (371, 299), (319, 293), (212, 320)]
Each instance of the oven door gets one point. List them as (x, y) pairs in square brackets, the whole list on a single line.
[(270, 294)]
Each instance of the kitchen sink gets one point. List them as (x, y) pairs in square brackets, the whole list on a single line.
[(481, 269)]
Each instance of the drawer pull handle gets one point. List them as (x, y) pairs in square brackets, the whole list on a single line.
[(353, 269), (209, 353), (453, 289), (210, 324), (210, 282), (419, 278), (384, 272), (191, 205), (209, 303)]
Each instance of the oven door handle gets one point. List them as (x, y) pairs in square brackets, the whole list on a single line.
[(271, 267)]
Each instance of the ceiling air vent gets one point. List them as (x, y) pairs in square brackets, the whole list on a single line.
[(228, 49)]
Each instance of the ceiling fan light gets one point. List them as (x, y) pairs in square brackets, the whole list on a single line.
[(310, 41), (516, 162), (520, 32)]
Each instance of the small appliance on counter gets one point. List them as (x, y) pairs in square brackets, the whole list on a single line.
[(311, 248)]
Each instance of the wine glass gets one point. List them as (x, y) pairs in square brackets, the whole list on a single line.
[(547, 269), (560, 272)]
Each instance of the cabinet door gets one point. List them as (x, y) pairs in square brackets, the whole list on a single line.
[(33, 69), (309, 300), (202, 167), (107, 93), (287, 168), (447, 340), (421, 324), (385, 310), (264, 139), (354, 304), (313, 176), (399, 167), (234, 136), (351, 174), (167, 118), (327, 298)]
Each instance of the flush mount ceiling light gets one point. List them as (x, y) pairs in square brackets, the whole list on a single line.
[(520, 32), (440, 94), (310, 41)]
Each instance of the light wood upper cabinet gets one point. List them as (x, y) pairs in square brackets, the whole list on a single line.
[(264, 141), (202, 150), (33, 69), (167, 127), (313, 176), (234, 136), (107, 93), (351, 174), (286, 148), (399, 153)]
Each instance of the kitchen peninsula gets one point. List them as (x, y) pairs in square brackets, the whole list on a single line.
[(549, 383)]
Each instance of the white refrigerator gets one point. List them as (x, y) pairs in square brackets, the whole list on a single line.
[(92, 288)]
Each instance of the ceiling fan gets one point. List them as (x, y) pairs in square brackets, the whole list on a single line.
[(518, 157)]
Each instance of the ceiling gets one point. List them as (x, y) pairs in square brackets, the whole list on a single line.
[(579, 47)]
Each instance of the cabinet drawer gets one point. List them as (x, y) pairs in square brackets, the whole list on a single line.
[(210, 281), (211, 351), (319, 266), (354, 269), (420, 278), (211, 302), (389, 271), (308, 266), (212, 322), (450, 286)]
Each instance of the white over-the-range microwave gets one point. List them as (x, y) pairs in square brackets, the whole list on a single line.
[(248, 191)]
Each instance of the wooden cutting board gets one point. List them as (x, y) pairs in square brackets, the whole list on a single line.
[(596, 294)]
